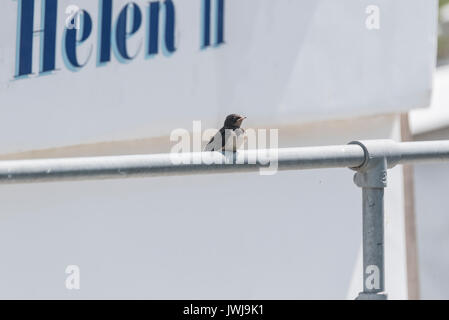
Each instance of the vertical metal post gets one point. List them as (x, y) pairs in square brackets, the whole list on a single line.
[(373, 244), (372, 178)]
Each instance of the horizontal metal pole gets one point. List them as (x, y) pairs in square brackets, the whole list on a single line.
[(423, 151), (109, 167)]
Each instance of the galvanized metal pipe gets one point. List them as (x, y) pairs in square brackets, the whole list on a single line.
[(423, 151), (373, 244), (372, 178), (42, 170)]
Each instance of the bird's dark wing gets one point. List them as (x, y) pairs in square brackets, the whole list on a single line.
[(217, 142), (210, 145)]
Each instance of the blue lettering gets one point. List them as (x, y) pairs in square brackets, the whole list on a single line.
[(220, 22), (121, 32), (169, 27), (112, 35), (207, 21), (105, 25), (153, 28), (71, 40), (25, 33)]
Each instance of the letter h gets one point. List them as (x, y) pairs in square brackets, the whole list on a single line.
[(25, 33)]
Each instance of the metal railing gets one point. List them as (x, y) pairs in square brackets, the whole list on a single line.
[(370, 159)]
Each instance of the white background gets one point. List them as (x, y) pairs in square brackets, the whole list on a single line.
[(283, 62)]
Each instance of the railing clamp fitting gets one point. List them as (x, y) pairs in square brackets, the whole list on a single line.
[(380, 155)]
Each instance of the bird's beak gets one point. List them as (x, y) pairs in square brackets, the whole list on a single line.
[(242, 118)]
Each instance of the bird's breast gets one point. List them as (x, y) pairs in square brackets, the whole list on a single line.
[(234, 139)]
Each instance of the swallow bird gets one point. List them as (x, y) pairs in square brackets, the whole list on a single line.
[(228, 138)]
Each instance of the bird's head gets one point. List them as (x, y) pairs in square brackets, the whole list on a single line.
[(234, 121)]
